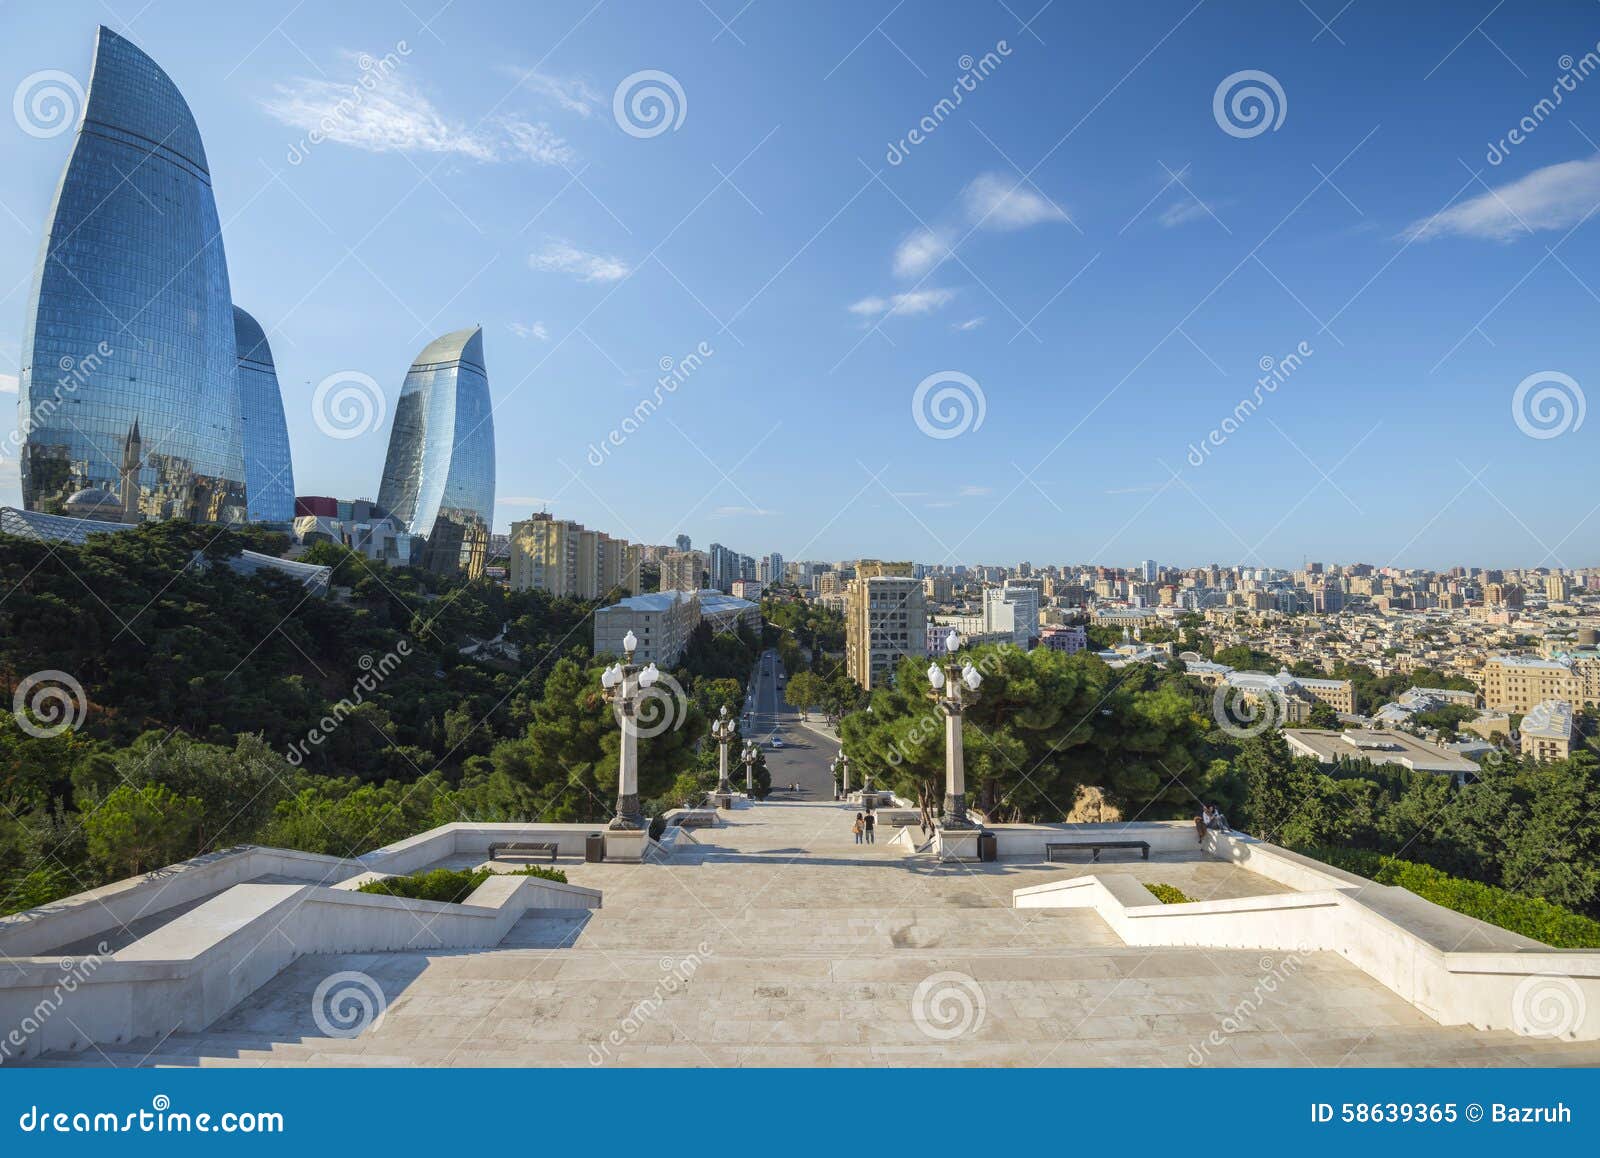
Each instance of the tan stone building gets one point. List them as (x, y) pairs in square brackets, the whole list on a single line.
[(567, 559), (1515, 683), (1547, 731), (886, 617)]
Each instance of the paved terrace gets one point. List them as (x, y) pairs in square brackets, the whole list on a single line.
[(775, 940)]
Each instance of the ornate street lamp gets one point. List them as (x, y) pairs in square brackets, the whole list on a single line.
[(748, 759), (722, 731), (622, 683), (951, 684), (841, 771)]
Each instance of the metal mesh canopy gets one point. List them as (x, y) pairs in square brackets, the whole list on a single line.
[(65, 529)]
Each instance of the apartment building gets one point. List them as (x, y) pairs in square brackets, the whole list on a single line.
[(886, 617), (567, 559)]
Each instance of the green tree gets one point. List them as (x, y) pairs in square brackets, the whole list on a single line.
[(135, 829)]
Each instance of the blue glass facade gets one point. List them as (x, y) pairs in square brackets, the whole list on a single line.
[(438, 477), (268, 470), (129, 381)]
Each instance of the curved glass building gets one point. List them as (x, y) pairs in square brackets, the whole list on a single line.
[(438, 477), (128, 381), (268, 470)]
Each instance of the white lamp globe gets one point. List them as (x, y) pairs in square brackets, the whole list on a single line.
[(630, 642), (952, 642), (935, 676)]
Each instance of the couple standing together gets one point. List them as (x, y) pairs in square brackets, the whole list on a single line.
[(863, 827)]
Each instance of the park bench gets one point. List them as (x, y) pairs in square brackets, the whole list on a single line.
[(524, 848), (1096, 845)]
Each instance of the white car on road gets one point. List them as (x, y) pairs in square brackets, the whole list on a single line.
[(775, 742)]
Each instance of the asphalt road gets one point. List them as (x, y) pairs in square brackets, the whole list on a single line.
[(805, 754)]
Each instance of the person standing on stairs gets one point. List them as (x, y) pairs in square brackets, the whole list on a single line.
[(871, 824), (859, 828)]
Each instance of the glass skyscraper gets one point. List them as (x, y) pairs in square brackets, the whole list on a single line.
[(129, 383), (438, 477), (268, 471)]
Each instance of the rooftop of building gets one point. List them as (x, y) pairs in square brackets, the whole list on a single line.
[(1379, 745)]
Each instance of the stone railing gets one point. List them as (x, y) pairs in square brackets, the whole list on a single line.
[(1456, 970), (195, 968)]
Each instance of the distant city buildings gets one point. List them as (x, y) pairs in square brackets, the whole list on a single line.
[(567, 559), (663, 621), (357, 524), (1547, 731)]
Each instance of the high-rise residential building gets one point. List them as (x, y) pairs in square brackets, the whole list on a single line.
[(1012, 609), (438, 478), (683, 570), (567, 559), (268, 470), (130, 317), (1557, 588), (1148, 570), (886, 618)]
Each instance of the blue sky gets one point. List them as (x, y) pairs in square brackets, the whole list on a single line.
[(1081, 239)]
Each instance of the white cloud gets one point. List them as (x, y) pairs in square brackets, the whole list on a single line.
[(969, 324), (1181, 212), (8, 384), (537, 330), (521, 501), (563, 257), (1555, 197), (386, 113), (734, 512), (970, 492), (998, 201), (920, 252), (537, 142), (904, 305), (570, 93)]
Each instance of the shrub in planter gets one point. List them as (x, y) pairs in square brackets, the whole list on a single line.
[(450, 886), (1170, 894)]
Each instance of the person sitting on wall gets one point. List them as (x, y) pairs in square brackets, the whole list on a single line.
[(1209, 820)]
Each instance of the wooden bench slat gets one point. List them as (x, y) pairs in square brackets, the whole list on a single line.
[(1095, 846)]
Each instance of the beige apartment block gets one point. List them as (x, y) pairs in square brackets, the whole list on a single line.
[(567, 559), (886, 617)]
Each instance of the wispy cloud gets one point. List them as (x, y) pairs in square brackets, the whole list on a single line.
[(998, 201), (389, 114), (8, 384), (570, 93), (1182, 212), (920, 252), (969, 324), (903, 305), (736, 512), (560, 256), (970, 492), (1555, 197), (1143, 490), (537, 330)]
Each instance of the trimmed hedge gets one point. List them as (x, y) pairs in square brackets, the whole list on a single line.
[(1531, 916), (1170, 894), (451, 886)]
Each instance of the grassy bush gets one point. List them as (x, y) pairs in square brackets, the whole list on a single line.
[(451, 886), (1170, 894), (1530, 916)]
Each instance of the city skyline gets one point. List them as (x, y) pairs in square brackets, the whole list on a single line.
[(1407, 268)]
